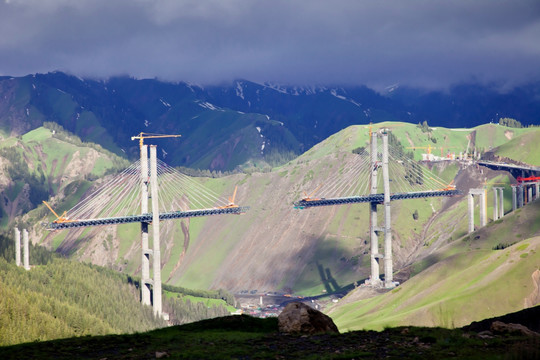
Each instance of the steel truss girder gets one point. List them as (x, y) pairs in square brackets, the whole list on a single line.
[(145, 218), (376, 198)]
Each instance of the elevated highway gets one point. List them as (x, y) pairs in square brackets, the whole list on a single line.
[(514, 169)]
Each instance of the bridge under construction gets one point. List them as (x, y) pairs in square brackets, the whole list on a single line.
[(125, 198), (404, 169)]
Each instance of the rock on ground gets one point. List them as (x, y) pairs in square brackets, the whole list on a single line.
[(298, 317)]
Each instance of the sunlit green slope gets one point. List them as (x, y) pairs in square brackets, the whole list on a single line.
[(491, 272)]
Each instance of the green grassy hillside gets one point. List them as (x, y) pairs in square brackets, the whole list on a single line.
[(47, 162), (491, 272), (275, 247), (523, 148)]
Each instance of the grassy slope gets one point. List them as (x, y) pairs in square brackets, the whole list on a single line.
[(232, 252), (523, 148), (41, 149), (469, 280), (237, 252)]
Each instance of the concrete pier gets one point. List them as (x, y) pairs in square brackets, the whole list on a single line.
[(145, 253), (374, 239), (483, 207), (495, 205), (388, 267), (470, 202), (157, 303), (17, 247), (498, 203), (520, 196), (501, 202), (26, 250), (514, 198)]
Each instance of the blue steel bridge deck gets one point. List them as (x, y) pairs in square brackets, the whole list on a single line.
[(145, 217), (378, 198)]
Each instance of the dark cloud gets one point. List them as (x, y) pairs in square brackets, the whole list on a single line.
[(427, 43)]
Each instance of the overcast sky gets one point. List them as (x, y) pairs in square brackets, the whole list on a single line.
[(373, 42)]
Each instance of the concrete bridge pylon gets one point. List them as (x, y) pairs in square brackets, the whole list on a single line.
[(157, 301), (374, 238), (388, 266), (145, 251), (374, 228)]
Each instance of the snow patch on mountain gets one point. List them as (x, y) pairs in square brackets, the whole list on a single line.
[(239, 90), (391, 88), (341, 97), (207, 105), (294, 90)]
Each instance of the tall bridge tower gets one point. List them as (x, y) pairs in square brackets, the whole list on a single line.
[(374, 228), (146, 252)]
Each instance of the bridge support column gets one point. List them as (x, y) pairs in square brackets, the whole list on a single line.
[(501, 202), (388, 266), (514, 198), (529, 193), (470, 200), (145, 253), (26, 250), (374, 239), (498, 205), (157, 303), (17, 247), (537, 188), (483, 207), (520, 196), (495, 205)]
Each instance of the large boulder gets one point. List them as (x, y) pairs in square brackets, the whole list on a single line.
[(299, 318), (498, 327)]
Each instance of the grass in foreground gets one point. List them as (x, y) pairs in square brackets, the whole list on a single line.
[(244, 337)]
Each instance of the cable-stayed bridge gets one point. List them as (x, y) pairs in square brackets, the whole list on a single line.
[(118, 201), (125, 199), (403, 178)]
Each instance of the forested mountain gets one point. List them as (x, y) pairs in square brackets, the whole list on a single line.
[(240, 124), (61, 298)]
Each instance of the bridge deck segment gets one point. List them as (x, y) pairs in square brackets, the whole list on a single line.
[(377, 198), (145, 218)]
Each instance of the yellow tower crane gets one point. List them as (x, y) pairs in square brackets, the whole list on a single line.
[(141, 136), (429, 148)]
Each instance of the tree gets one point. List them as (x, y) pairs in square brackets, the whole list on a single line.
[(513, 123)]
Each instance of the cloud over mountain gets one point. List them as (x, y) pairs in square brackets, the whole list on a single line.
[(420, 43)]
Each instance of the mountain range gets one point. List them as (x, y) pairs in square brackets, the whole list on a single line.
[(63, 136), (243, 124)]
